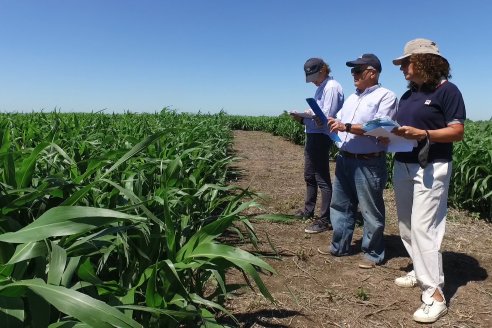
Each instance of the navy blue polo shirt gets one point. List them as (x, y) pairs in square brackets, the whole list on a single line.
[(431, 111)]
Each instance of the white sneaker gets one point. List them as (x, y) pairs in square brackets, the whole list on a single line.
[(407, 281), (428, 313)]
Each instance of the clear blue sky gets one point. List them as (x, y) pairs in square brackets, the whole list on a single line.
[(245, 57)]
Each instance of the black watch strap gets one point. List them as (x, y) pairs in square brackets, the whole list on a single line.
[(348, 127)]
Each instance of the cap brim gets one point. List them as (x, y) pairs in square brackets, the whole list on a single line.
[(399, 60), (356, 62), (312, 77)]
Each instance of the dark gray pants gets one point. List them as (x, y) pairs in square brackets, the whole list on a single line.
[(317, 174)]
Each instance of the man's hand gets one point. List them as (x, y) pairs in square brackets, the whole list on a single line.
[(336, 125)]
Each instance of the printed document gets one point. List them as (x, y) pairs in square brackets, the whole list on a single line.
[(397, 143)]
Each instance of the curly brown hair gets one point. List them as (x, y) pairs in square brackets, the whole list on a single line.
[(432, 68)]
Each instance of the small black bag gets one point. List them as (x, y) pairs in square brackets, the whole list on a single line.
[(423, 156)]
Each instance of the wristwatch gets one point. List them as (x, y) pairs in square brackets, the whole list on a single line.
[(348, 127)]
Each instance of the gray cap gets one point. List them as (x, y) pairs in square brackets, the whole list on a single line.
[(418, 46), (312, 67), (366, 59)]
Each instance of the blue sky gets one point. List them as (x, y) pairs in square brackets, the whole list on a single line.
[(243, 57)]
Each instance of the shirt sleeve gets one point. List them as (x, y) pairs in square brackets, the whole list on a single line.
[(388, 106), (453, 107), (331, 102)]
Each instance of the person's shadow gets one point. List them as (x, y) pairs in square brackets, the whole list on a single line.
[(261, 318), (393, 247), (460, 269)]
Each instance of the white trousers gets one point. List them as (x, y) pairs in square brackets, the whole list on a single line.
[(421, 201)]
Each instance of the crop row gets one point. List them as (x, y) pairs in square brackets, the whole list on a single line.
[(471, 183), (113, 220)]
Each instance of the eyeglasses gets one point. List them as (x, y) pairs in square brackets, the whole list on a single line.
[(359, 69)]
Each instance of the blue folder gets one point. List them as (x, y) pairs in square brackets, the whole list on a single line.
[(379, 122), (317, 110), (319, 113)]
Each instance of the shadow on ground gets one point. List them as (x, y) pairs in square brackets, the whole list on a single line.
[(394, 247), (459, 270), (261, 318)]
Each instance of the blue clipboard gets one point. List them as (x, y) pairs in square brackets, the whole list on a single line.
[(319, 113), (315, 107)]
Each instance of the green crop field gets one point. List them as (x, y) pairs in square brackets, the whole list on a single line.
[(113, 220), (471, 185)]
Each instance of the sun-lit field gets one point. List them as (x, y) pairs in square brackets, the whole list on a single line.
[(113, 220), (471, 185)]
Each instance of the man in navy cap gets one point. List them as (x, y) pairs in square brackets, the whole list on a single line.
[(361, 173)]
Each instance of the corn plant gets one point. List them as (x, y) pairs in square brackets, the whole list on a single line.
[(471, 183), (113, 220), (471, 186)]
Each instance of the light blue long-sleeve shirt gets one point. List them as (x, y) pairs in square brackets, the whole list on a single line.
[(329, 96)]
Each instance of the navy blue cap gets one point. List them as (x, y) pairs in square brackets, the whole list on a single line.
[(312, 67), (366, 59)]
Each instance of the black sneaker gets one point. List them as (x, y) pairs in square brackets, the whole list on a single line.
[(300, 214), (318, 226)]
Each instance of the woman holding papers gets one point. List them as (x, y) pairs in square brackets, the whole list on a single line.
[(329, 97), (432, 112)]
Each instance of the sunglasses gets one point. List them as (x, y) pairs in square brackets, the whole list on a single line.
[(405, 61), (359, 69)]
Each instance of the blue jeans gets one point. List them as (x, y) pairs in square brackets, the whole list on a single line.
[(359, 183), (317, 174)]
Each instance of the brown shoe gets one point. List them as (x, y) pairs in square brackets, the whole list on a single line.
[(365, 263)]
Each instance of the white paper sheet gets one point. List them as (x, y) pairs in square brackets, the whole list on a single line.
[(397, 143), (333, 136), (304, 114)]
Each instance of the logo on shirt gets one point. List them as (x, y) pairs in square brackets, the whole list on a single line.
[(427, 102)]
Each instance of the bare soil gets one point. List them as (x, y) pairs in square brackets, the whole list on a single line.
[(314, 290)]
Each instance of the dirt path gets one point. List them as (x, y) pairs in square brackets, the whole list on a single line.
[(314, 290)]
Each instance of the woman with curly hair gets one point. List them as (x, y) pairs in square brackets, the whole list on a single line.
[(432, 112)]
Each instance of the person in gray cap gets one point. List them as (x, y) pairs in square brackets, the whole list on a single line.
[(360, 172), (329, 96), (432, 112)]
